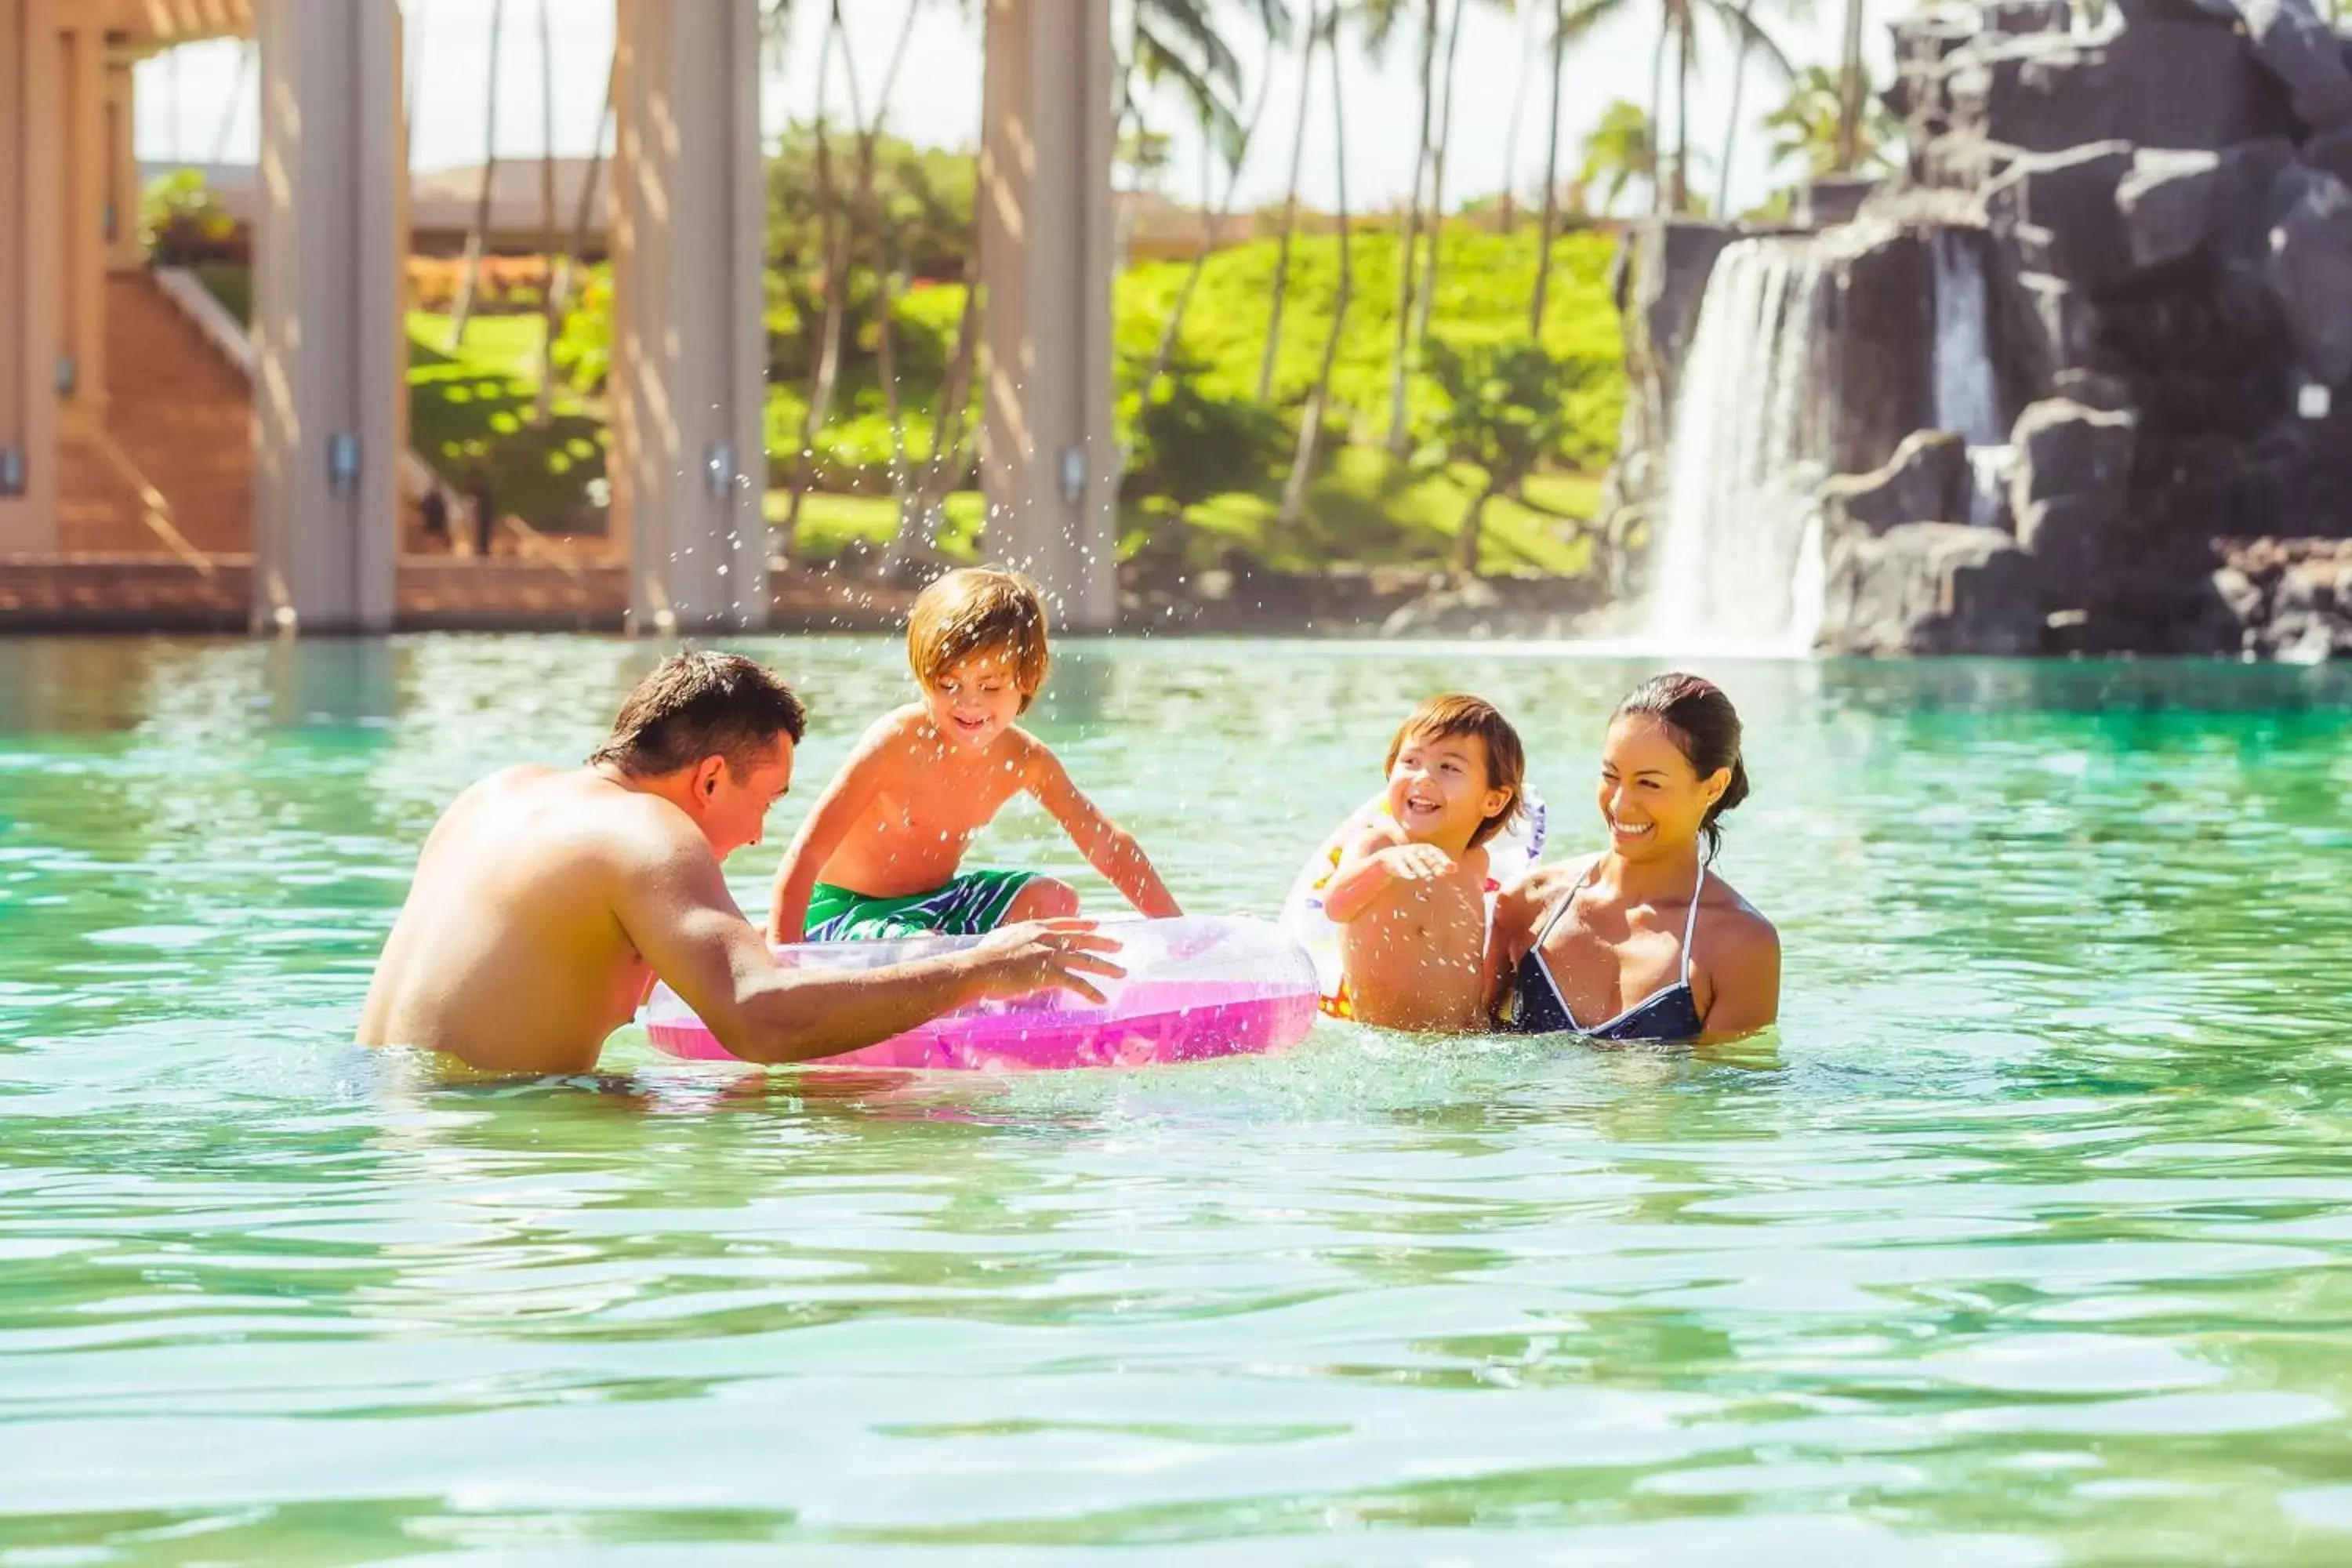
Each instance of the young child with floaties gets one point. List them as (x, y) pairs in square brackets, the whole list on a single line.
[(881, 854), (1409, 891)]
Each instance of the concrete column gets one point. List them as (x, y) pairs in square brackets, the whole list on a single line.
[(331, 352), (1049, 459), (122, 190), (81, 293), (31, 177), (690, 468)]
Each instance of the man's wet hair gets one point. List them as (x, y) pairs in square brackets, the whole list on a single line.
[(700, 704)]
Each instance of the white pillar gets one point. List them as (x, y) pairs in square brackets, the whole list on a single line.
[(689, 468), (332, 351), (32, 183), (1049, 459)]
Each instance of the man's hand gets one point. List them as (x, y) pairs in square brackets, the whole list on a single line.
[(1044, 956), (1417, 862)]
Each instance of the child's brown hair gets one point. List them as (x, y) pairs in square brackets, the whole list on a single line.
[(975, 611), (1452, 716)]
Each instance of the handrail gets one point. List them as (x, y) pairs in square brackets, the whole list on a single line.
[(156, 512), (229, 338)]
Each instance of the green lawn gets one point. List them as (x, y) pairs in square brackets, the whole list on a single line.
[(1366, 508), (472, 410), (471, 413)]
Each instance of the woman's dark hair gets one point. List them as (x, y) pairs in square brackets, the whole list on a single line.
[(1705, 729), (698, 705)]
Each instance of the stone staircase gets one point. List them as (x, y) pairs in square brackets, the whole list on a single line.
[(179, 428)]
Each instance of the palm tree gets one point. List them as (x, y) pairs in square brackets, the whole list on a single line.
[(1560, 35), (1408, 249), (478, 236), (1508, 207), (543, 407), (1275, 17), (1799, 11), (583, 211), (1281, 288), (1678, 28), (1318, 400), (1618, 151), (1437, 171), (1809, 127)]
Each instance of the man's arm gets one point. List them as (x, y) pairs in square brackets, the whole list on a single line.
[(836, 811), (1109, 848), (673, 905)]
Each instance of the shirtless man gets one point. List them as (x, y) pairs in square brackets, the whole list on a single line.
[(548, 901)]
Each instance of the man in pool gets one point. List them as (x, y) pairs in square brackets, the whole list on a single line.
[(548, 901)]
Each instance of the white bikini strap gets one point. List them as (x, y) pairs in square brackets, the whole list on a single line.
[(1690, 926)]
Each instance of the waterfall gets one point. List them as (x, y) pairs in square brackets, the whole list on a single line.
[(1737, 556), (1968, 404)]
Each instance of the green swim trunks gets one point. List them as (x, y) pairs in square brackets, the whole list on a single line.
[(971, 905)]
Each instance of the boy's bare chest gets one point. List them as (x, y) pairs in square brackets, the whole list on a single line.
[(949, 797)]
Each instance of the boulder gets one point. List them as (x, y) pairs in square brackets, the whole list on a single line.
[(1931, 589), (2168, 201), (2068, 452), (2208, 13), (1927, 480), (1879, 343), (2092, 389), (1826, 199), (2310, 270), (2016, 18), (2042, 93), (2190, 84), (2303, 52), (2061, 211), (2331, 153)]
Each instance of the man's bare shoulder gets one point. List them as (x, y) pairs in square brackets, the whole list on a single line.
[(593, 816)]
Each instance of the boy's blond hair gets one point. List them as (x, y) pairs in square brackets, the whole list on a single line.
[(977, 611), (1449, 716)]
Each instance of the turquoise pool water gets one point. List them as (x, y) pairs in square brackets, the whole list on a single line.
[(2028, 1238)]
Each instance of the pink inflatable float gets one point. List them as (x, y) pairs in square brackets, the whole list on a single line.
[(1195, 989)]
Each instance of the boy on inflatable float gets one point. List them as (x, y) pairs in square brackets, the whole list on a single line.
[(881, 854)]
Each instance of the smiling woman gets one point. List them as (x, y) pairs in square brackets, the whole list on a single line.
[(1633, 922)]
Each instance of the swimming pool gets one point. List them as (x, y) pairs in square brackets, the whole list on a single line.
[(2028, 1238)]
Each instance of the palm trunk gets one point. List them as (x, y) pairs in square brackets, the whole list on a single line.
[(1850, 92), (470, 282), (1216, 214), (1310, 419), (1407, 251), (1437, 181), (585, 213), (245, 53), (1682, 120), (1289, 220), (1658, 112), (919, 522), (1509, 211), (544, 409), (825, 363), (1731, 127), (1551, 173), (885, 294), (1472, 530)]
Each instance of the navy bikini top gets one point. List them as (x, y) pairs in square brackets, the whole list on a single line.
[(1538, 1008)]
